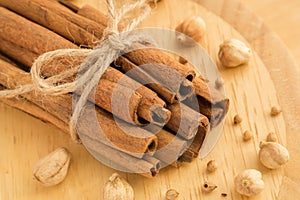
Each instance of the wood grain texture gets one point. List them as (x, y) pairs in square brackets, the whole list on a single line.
[(252, 89)]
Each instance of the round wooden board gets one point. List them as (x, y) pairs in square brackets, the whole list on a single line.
[(269, 79)]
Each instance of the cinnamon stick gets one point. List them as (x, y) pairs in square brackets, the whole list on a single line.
[(88, 12), (210, 102), (167, 82), (154, 161), (194, 148), (141, 76), (149, 102), (94, 14), (61, 23), (169, 148), (14, 28), (21, 55), (143, 55), (34, 110), (61, 107), (186, 122), (120, 160)]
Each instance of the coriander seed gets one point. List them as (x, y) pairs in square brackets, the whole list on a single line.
[(212, 166), (182, 60), (237, 119), (247, 135), (275, 111), (271, 137), (219, 83)]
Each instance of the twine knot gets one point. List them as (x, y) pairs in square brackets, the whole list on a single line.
[(118, 43)]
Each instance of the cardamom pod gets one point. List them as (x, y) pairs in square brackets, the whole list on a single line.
[(52, 169), (117, 188)]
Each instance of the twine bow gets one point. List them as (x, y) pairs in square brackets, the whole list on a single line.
[(112, 45)]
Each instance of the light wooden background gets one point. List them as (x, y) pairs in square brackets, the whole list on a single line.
[(23, 139)]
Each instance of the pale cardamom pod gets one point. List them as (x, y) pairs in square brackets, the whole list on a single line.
[(117, 188), (52, 169)]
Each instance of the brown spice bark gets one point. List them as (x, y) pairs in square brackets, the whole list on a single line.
[(31, 36), (186, 122), (211, 102), (120, 160), (28, 107), (21, 55), (169, 148), (141, 76), (55, 17)]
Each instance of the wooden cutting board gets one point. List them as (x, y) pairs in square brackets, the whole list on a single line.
[(270, 79)]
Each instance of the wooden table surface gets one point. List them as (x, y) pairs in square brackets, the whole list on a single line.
[(283, 17)]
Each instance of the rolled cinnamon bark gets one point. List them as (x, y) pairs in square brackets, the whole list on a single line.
[(152, 108), (90, 26), (143, 55), (141, 76), (31, 36), (211, 102), (61, 107), (169, 148), (194, 148), (186, 122), (120, 160), (61, 23), (21, 55), (166, 82), (34, 110)]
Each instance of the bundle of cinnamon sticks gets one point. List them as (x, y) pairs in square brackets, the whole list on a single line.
[(166, 124)]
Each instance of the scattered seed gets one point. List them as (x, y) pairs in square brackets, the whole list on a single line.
[(271, 137), (182, 60), (224, 195), (209, 187), (172, 194), (219, 83), (237, 119), (212, 166), (247, 135), (275, 111)]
